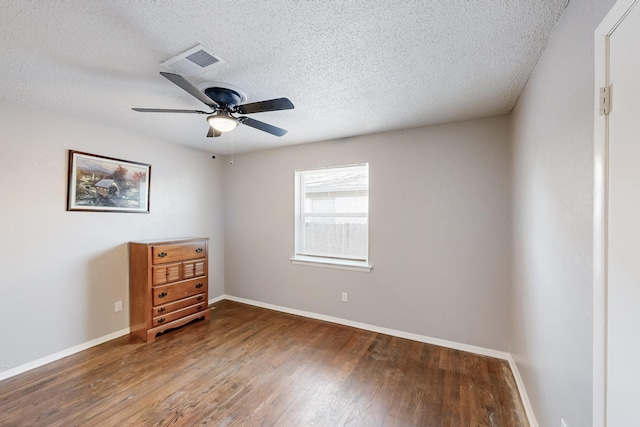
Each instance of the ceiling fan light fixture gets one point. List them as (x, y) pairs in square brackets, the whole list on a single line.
[(222, 122)]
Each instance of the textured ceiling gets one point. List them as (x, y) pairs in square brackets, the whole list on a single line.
[(350, 67)]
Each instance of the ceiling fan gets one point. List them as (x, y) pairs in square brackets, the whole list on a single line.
[(224, 103)]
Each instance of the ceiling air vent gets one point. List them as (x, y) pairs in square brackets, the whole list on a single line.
[(193, 61)]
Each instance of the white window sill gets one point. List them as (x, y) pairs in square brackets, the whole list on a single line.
[(331, 263)]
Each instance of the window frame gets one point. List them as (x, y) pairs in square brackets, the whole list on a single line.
[(299, 219)]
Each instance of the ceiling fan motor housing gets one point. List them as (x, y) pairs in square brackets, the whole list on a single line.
[(223, 96)]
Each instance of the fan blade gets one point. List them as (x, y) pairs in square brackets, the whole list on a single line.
[(163, 110), (262, 106), (188, 87), (262, 126), (213, 133)]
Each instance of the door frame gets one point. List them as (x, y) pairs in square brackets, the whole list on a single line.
[(600, 210)]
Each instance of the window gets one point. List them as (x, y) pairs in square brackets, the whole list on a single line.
[(332, 217)]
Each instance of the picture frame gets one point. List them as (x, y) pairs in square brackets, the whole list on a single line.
[(106, 184)]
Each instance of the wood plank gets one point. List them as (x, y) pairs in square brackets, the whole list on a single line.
[(247, 366)]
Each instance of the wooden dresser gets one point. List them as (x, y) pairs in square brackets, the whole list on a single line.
[(168, 284)]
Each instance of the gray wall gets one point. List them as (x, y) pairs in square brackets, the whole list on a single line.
[(63, 271), (552, 140), (439, 232)]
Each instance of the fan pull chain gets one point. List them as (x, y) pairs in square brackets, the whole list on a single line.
[(233, 144)]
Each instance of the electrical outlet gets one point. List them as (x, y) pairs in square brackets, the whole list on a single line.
[(563, 423), (345, 297), (118, 306)]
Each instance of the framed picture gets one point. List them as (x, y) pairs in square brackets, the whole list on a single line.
[(105, 184)]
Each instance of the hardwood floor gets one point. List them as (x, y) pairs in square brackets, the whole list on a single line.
[(249, 366)]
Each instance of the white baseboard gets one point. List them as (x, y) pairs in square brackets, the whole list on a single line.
[(372, 328), (61, 354), (216, 299), (523, 392)]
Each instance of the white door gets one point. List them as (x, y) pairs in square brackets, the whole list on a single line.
[(623, 258)]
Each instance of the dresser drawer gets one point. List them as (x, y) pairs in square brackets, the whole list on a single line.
[(178, 252), (168, 293), (174, 315), (173, 306), (168, 273)]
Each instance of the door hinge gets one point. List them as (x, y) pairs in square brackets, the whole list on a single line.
[(605, 100)]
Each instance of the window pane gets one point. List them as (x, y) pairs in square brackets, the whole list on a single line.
[(336, 240), (333, 213)]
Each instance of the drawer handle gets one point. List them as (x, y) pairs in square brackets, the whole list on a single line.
[(199, 285), (161, 310), (200, 307), (198, 250), (200, 298), (161, 320), (162, 294), (162, 254)]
